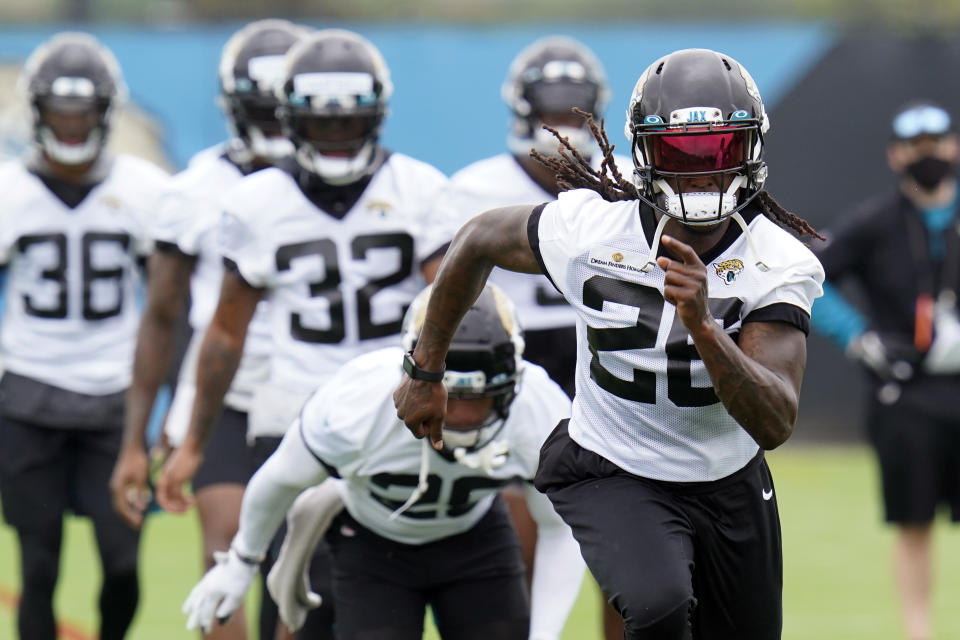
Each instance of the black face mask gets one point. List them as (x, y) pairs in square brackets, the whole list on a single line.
[(929, 172)]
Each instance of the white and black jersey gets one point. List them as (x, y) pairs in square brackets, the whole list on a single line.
[(338, 283), (501, 181), (644, 400), (70, 312), (188, 221), (351, 426)]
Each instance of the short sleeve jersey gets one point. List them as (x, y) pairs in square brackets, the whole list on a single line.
[(351, 426), (338, 287), (188, 218), (70, 312), (500, 181), (644, 400)]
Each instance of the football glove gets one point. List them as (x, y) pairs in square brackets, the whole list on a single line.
[(289, 580), (220, 591)]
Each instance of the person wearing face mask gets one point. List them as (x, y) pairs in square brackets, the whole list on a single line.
[(902, 251)]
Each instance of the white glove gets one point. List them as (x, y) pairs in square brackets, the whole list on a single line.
[(289, 580), (869, 349), (220, 591)]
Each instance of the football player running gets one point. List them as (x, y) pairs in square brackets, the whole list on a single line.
[(693, 307), (340, 241), (74, 226), (545, 83), (420, 526), (187, 265)]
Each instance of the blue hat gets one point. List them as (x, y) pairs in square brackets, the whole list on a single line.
[(921, 118)]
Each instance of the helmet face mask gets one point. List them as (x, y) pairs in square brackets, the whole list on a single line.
[(72, 83), (546, 81), (698, 164), (250, 68), (483, 362), (333, 104)]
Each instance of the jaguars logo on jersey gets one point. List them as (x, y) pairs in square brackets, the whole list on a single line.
[(728, 270)]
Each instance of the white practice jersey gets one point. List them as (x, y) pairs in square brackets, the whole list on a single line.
[(188, 218), (351, 426), (500, 181), (338, 287), (644, 400), (71, 311)]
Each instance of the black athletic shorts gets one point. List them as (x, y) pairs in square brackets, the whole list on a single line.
[(919, 463), (556, 351), (678, 560), (45, 471), (472, 581), (228, 459)]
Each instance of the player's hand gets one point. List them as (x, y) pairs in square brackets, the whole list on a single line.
[(219, 592), (176, 473), (869, 350), (128, 485), (685, 285), (423, 407)]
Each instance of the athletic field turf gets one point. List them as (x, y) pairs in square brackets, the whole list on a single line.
[(837, 582)]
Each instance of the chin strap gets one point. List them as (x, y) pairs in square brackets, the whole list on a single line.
[(487, 458), (422, 484), (760, 264), (652, 256)]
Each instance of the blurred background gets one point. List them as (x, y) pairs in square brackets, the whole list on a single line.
[(831, 73)]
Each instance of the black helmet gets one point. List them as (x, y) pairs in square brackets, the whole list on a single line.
[(696, 112), (484, 356), (333, 101), (251, 65), (72, 72), (551, 76)]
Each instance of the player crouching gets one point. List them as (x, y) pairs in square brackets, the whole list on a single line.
[(420, 526)]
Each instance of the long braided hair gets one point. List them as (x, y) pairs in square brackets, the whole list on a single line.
[(573, 171)]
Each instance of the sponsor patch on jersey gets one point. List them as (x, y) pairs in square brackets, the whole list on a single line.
[(728, 270), (617, 259)]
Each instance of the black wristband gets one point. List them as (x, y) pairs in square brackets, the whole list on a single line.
[(416, 373)]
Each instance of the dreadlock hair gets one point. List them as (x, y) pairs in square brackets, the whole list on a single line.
[(573, 171)]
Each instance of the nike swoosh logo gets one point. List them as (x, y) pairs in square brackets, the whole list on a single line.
[(767, 494)]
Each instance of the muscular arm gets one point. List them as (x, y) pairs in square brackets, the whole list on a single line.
[(168, 286), (497, 238), (220, 355), (168, 282), (758, 381)]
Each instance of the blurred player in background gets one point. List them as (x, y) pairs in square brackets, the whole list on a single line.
[(901, 250), (74, 226), (340, 241), (187, 266), (685, 373), (420, 526), (545, 82)]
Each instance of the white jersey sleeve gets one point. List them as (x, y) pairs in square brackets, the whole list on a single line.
[(644, 399)]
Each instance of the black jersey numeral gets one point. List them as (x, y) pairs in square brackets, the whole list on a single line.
[(91, 273), (461, 498), (329, 286), (681, 354)]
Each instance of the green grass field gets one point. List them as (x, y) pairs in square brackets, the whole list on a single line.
[(838, 581)]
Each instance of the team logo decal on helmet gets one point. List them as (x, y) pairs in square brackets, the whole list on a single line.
[(695, 113), (483, 360), (251, 67), (74, 77), (333, 98), (549, 78)]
